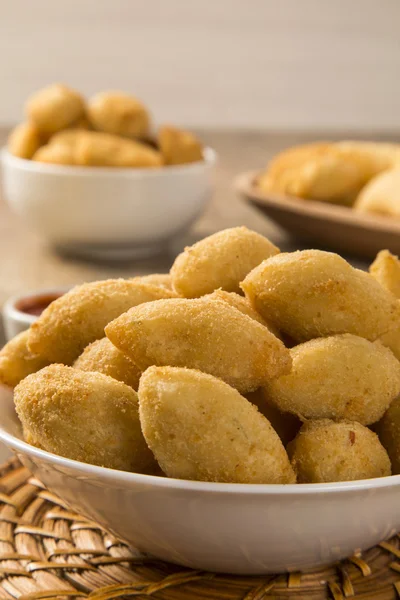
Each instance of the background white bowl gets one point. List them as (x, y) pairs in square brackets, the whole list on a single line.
[(233, 528), (107, 212)]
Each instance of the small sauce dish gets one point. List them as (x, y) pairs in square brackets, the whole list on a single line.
[(20, 311)]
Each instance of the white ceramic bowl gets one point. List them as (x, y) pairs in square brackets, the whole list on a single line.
[(231, 528), (106, 212)]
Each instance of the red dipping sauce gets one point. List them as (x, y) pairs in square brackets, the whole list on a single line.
[(35, 305)]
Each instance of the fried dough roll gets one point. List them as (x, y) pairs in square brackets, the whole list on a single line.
[(338, 377), (162, 280), (102, 357), (24, 140), (311, 293), (386, 270), (88, 417), (54, 107), (200, 428), (120, 114), (78, 318), (96, 149), (325, 451), (179, 147), (17, 362), (221, 260), (201, 334), (381, 195)]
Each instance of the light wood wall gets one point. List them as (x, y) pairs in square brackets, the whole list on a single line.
[(302, 64)]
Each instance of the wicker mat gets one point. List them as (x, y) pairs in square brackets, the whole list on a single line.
[(46, 551)]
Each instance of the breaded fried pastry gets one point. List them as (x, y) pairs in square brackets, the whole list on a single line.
[(88, 417), (78, 318), (201, 334), (200, 428)]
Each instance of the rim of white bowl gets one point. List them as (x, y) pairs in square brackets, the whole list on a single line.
[(11, 312), (209, 159), (294, 489)]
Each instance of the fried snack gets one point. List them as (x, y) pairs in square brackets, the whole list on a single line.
[(221, 260), (326, 451), (286, 425), (179, 147), (381, 195), (120, 114), (200, 428), (333, 172), (338, 377), (56, 154), (243, 305), (311, 293), (78, 318), (101, 356), (68, 137), (24, 140), (16, 361), (158, 279), (88, 417), (375, 157), (95, 149), (388, 430), (386, 270), (201, 334), (318, 171), (54, 107)]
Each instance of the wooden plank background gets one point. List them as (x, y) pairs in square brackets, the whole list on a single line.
[(292, 64)]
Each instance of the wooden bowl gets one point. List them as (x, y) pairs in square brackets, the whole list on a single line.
[(325, 225)]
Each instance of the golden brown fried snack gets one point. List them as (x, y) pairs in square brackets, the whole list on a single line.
[(221, 260), (54, 107), (200, 428), (386, 270), (333, 172), (310, 293), (56, 154), (95, 149), (326, 451), (16, 361), (201, 334), (101, 356), (179, 147), (83, 416), (24, 140), (158, 279), (68, 138), (381, 195), (338, 377), (243, 305), (120, 114), (317, 171), (286, 425), (78, 318), (388, 430)]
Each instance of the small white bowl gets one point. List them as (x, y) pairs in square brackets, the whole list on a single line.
[(232, 528), (16, 320), (103, 212)]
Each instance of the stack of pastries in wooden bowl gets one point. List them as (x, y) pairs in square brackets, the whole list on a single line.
[(362, 175), (243, 364), (111, 129)]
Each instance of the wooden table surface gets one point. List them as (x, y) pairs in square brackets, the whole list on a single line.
[(28, 263)]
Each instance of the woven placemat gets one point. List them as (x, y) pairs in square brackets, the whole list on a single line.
[(47, 551)]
